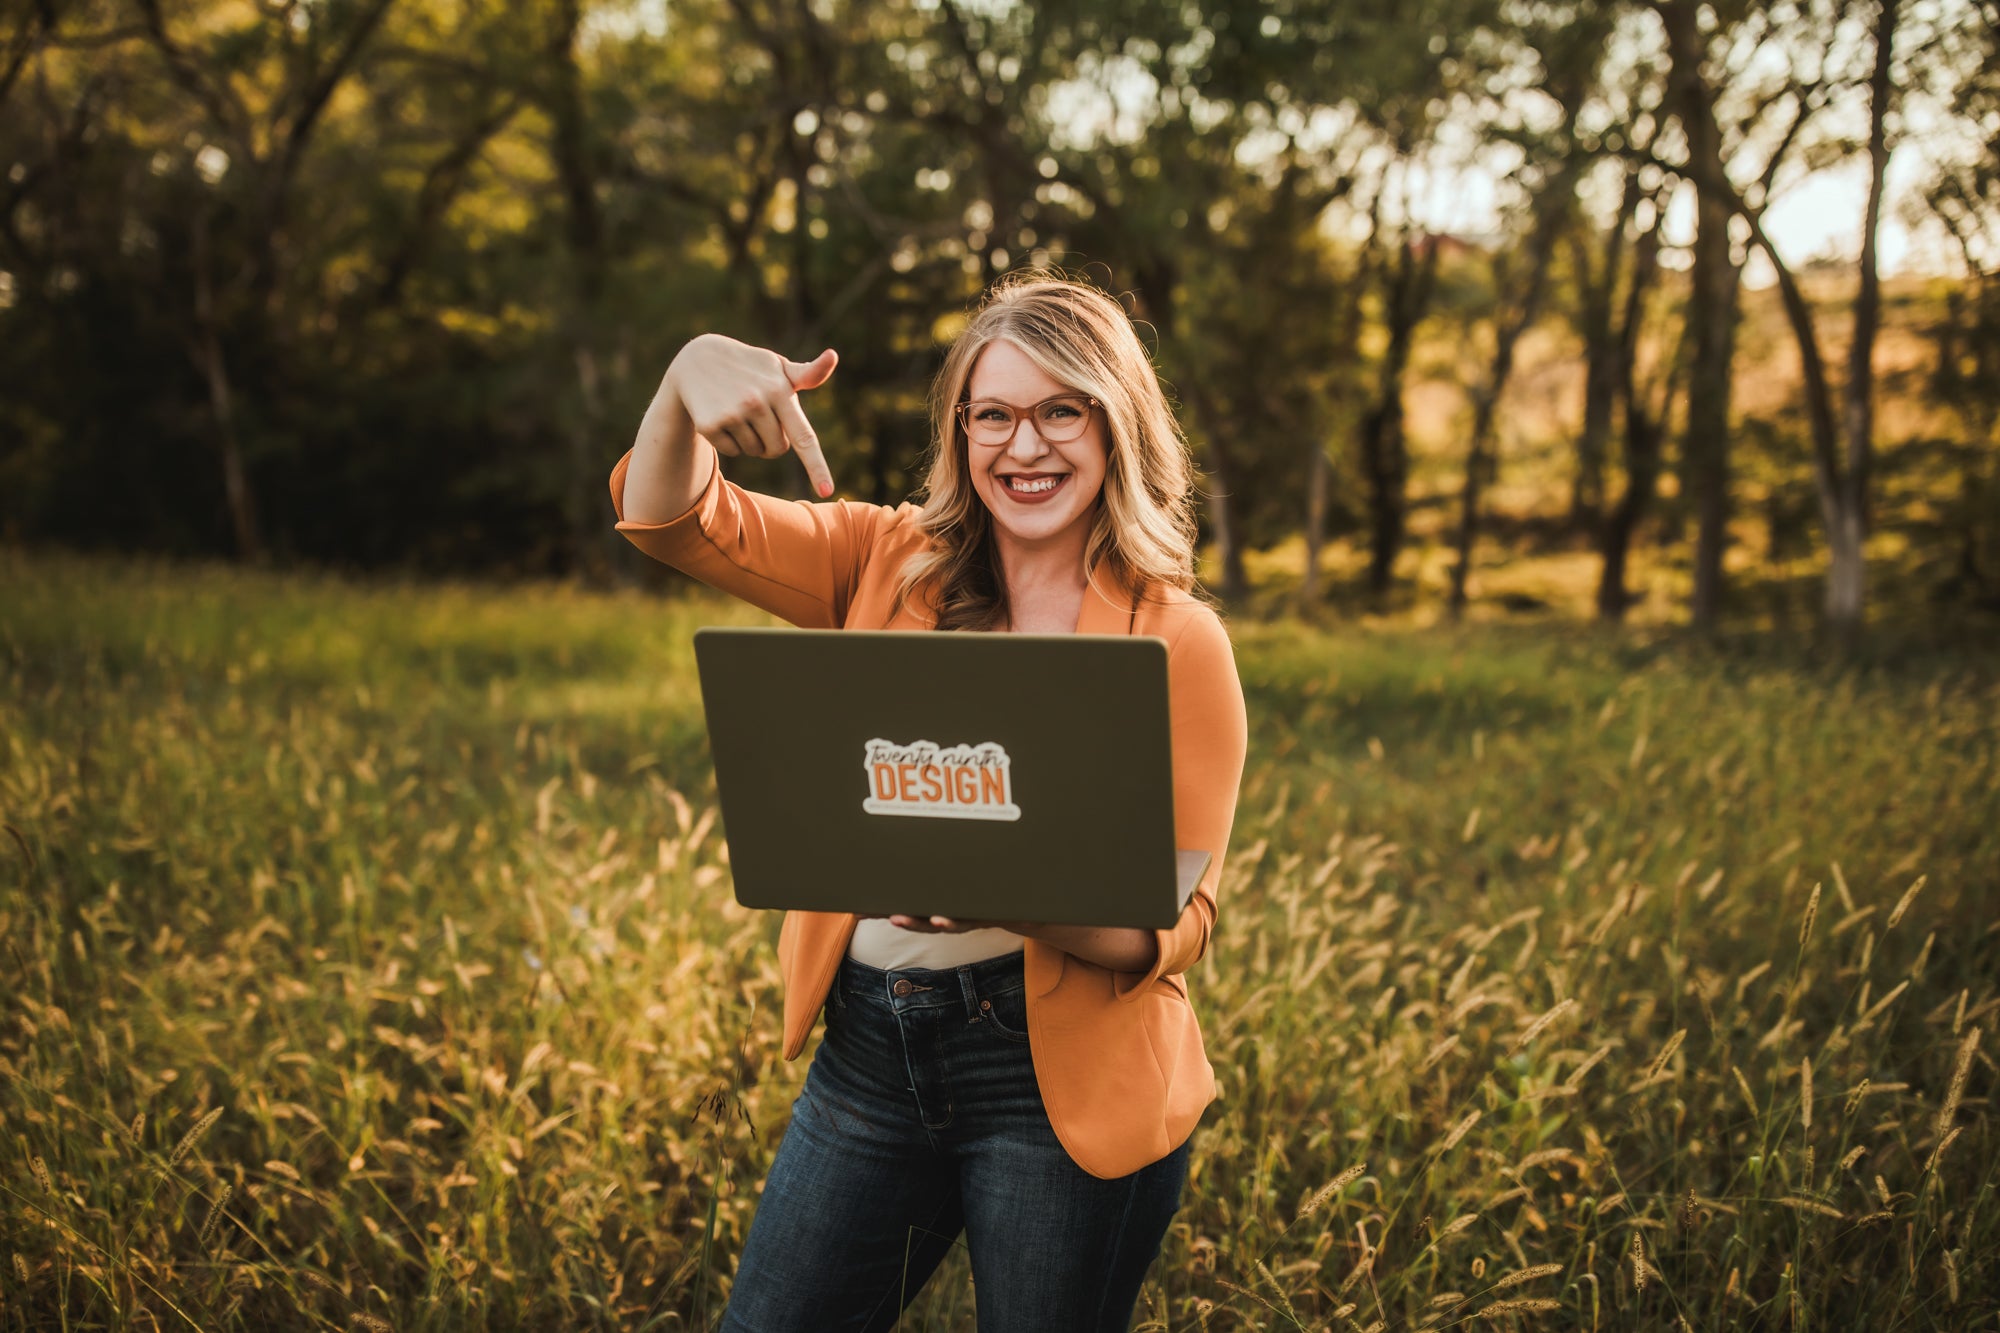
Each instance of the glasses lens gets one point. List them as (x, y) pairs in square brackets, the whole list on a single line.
[(988, 423), (1061, 419)]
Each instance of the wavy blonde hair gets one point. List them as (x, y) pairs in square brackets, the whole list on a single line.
[(1143, 527)]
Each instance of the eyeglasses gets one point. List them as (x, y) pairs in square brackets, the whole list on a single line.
[(1057, 420)]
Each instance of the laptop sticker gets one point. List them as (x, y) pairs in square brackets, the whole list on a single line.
[(930, 781)]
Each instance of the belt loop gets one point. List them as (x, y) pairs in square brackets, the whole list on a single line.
[(969, 990)]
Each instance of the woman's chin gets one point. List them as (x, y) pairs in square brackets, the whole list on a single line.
[(1037, 528)]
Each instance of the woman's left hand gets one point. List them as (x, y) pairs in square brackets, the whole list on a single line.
[(1119, 949), (948, 925)]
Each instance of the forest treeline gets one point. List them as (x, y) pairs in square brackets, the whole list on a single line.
[(387, 283)]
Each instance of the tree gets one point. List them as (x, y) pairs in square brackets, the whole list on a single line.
[(1645, 427), (1569, 56), (1712, 310), (1842, 436)]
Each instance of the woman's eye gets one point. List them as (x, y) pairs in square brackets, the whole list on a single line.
[(1060, 412), (991, 415)]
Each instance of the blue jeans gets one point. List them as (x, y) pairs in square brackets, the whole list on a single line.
[(920, 1118)]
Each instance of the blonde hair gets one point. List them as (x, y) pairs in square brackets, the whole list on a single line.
[(1143, 529)]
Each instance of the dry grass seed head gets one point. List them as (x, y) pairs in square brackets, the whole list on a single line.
[(1438, 1052), (1804, 1205), (1265, 1273), (1527, 1275), (41, 1170), (1659, 1063), (1743, 1085), (1959, 1074), (1903, 903), (1328, 1190), (1527, 1305), (1536, 1028), (1937, 1154), (1812, 914), (1805, 1092), (1459, 1131), (193, 1136), (1593, 1061), (215, 1213)]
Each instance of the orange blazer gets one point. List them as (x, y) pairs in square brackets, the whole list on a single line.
[(1118, 1055)]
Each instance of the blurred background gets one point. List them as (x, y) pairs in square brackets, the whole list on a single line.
[(1673, 309)]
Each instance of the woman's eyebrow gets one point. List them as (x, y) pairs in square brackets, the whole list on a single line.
[(984, 398)]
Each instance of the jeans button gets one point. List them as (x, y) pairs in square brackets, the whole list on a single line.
[(903, 987)]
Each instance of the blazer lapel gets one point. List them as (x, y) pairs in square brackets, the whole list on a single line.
[(1110, 606)]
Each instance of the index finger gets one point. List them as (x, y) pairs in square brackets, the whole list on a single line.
[(805, 443)]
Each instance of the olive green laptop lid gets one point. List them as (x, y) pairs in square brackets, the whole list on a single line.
[(987, 776)]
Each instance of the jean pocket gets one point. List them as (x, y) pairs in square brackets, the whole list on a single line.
[(1006, 1013)]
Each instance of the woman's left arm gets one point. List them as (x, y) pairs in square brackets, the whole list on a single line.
[(1210, 740), (1120, 948)]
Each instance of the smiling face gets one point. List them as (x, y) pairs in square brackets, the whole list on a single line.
[(1040, 494)]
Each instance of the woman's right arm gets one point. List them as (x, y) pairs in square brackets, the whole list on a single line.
[(798, 560), (727, 396)]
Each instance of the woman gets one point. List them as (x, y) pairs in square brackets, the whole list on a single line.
[(1033, 1085)]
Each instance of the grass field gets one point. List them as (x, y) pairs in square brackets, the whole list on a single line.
[(371, 962)]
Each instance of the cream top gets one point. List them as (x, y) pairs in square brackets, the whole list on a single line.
[(880, 944)]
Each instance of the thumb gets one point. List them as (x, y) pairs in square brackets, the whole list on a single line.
[(811, 374)]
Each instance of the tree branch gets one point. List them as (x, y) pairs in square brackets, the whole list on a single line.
[(216, 97)]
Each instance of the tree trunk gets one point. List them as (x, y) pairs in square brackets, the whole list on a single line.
[(1643, 433), (236, 487), (1154, 276), (1235, 580), (1319, 468), (1847, 529), (1385, 461), (1845, 573), (1642, 478), (1712, 308), (1508, 328), (584, 236), (1317, 473), (1597, 291)]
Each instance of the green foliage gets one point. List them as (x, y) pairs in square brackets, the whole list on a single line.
[(402, 918), (385, 284)]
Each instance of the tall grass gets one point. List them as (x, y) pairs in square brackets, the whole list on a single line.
[(370, 961)]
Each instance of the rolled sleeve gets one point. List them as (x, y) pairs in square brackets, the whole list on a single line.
[(798, 560)]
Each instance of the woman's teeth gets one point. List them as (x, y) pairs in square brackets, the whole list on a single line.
[(1030, 487)]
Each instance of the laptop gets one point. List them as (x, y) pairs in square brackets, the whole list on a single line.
[(1010, 777)]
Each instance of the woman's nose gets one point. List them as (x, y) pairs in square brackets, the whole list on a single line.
[(1027, 443)]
